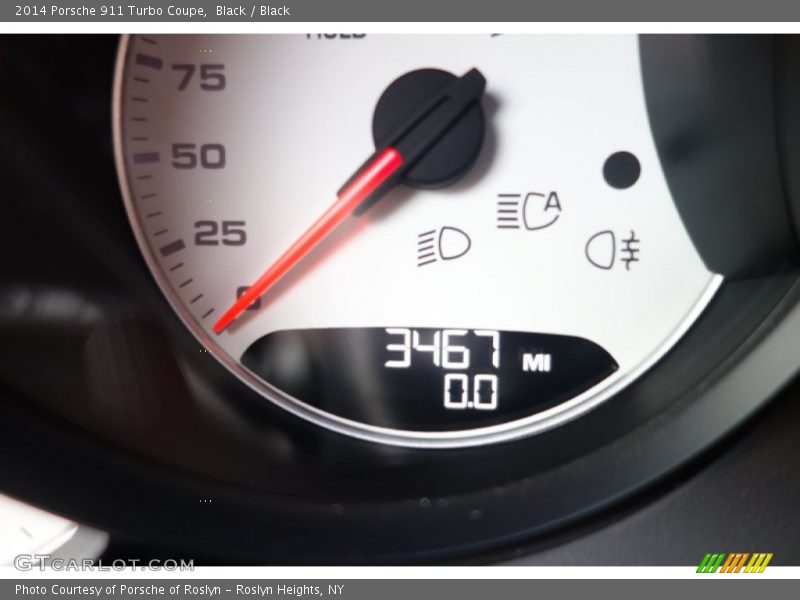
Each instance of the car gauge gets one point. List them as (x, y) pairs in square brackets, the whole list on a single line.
[(428, 241)]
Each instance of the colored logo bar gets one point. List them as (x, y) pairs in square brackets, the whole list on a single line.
[(735, 562)]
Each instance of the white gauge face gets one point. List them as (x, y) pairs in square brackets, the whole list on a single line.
[(551, 275), (29, 533), (29, 530)]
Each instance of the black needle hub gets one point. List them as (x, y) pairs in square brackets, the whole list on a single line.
[(435, 120)]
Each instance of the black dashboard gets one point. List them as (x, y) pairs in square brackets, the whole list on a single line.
[(115, 414)]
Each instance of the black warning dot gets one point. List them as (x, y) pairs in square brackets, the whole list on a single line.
[(622, 170)]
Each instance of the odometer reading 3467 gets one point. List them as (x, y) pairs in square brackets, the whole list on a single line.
[(430, 241)]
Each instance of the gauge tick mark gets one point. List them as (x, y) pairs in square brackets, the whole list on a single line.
[(172, 248), (146, 157), (153, 62)]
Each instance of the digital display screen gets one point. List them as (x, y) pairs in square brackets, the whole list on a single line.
[(428, 379)]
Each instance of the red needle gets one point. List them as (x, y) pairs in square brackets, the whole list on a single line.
[(368, 179)]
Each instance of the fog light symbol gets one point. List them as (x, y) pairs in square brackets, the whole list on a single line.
[(601, 250)]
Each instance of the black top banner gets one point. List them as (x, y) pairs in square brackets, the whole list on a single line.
[(210, 11)]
